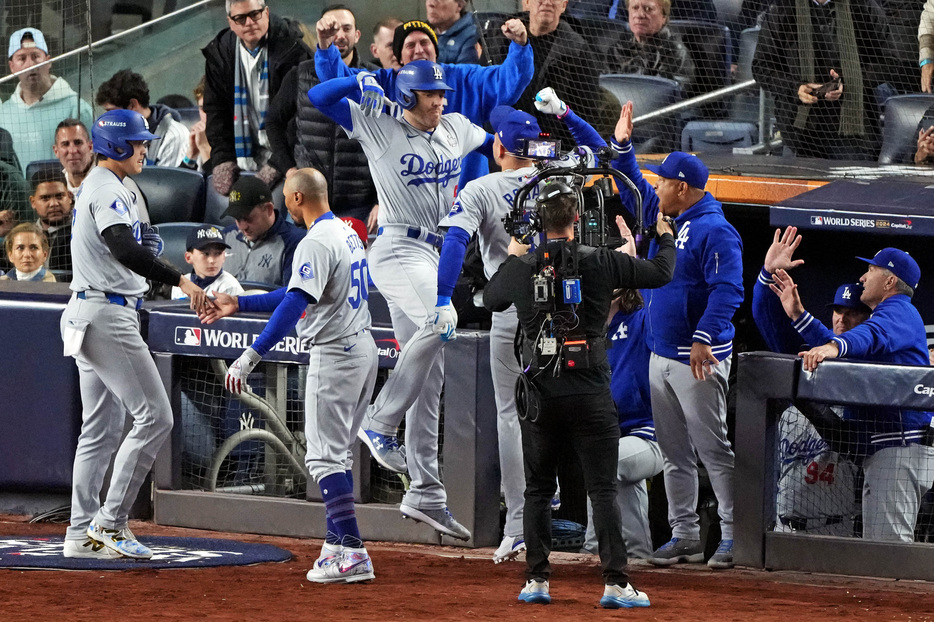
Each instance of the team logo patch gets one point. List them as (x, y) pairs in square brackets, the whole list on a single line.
[(185, 336), (456, 209), (119, 207), (305, 271)]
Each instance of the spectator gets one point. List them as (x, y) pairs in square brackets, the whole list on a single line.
[(381, 48), (244, 66), (691, 342), (926, 45), (456, 30), (263, 241), (649, 47), (303, 137), (900, 442), (198, 157), (27, 249), (14, 199), (205, 252), (129, 91), (73, 149), (903, 17), (843, 122), (40, 100), (53, 204)]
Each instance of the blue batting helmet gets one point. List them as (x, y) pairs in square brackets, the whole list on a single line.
[(419, 75), (113, 130)]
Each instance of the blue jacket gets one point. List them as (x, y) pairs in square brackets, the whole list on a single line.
[(629, 379), (770, 318), (707, 288), (456, 45)]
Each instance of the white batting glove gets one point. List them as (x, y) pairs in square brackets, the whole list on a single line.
[(237, 373), (445, 322), (548, 102), (371, 94)]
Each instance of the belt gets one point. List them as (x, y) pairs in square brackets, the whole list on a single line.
[(416, 233), (114, 299)]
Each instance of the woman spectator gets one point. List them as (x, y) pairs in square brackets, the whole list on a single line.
[(28, 249)]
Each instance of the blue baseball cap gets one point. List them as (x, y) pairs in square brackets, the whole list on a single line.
[(899, 263), (683, 167), (17, 41), (847, 296), (513, 126)]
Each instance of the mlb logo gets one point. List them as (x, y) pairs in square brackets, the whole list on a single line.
[(817, 220), (185, 336)]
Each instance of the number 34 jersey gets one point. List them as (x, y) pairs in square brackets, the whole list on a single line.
[(330, 265)]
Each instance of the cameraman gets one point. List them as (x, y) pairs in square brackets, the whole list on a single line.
[(567, 380)]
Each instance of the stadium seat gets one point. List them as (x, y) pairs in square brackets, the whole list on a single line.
[(711, 50), (189, 116), (174, 236), (745, 106), (172, 194), (900, 125), (648, 93), (599, 33), (38, 165), (716, 136)]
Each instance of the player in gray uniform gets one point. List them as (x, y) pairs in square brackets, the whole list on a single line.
[(415, 162), (480, 207), (100, 329), (326, 301)]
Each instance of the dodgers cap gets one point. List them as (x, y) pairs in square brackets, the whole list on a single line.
[(900, 263), (847, 296), (683, 167), (512, 126)]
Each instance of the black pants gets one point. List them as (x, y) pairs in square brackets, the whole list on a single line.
[(588, 425)]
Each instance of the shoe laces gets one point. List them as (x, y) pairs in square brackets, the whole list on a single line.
[(726, 546), (391, 442)]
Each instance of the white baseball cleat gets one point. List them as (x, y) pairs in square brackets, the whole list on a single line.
[(509, 549), (115, 540), (348, 566), (88, 549)]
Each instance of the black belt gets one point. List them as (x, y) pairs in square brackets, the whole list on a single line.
[(114, 299)]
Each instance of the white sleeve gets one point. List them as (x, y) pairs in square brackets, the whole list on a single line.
[(472, 136), (112, 207), (311, 268), (467, 212), (375, 134)]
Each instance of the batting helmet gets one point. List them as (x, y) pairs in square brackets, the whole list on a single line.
[(419, 75), (114, 129)]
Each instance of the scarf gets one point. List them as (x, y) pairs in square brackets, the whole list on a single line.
[(244, 120), (852, 107)]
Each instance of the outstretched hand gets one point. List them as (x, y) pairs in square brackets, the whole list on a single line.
[(780, 253), (787, 291), (623, 130)]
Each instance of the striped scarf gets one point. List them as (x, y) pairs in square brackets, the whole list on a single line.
[(852, 107), (247, 117)]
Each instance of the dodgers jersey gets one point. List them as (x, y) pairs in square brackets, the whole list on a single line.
[(415, 172), (330, 265), (102, 202)]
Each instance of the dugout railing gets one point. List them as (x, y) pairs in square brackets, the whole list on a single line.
[(767, 382)]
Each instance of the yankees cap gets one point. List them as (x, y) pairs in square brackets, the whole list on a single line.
[(246, 193), (847, 296), (205, 235), (899, 263), (683, 167), (17, 41), (512, 126)]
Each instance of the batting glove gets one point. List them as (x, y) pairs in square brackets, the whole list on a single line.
[(371, 99), (548, 102), (445, 322), (151, 239), (237, 373)]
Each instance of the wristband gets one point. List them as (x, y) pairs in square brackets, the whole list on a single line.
[(926, 61), (188, 161)]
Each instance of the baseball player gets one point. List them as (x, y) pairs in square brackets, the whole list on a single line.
[(415, 162), (326, 301), (480, 208), (100, 329)]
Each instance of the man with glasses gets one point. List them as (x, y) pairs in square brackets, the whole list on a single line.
[(244, 66)]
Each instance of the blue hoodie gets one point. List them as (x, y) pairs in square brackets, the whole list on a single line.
[(707, 288), (629, 369)]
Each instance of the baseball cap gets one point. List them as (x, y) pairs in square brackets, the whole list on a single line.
[(246, 193), (205, 235), (407, 28), (17, 43), (899, 263), (512, 126), (358, 226), (847, 296), (683, 167)]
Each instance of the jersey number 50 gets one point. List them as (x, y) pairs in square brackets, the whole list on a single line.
[(359, 282)]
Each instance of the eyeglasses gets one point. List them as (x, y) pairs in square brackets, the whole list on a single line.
[(253, 16)]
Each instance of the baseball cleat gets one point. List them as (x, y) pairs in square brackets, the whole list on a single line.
[(88, 549), (678, 550), (509, 549), (535, 591), (441, 520), (386, 449), (348, 566), (616, 597), (114, 540), (723, 558)]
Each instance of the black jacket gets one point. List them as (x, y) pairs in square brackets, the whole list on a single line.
[(286, 49), (301, 136)]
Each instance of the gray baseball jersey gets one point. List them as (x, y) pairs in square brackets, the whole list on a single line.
[(415, 172), (330, 265), (103, 201)]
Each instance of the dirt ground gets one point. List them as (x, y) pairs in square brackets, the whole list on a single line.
[(416, 582)]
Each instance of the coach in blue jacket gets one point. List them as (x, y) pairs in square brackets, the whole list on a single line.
[(690, 334)]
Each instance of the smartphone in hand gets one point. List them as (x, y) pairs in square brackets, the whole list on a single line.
[(821, 91)]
